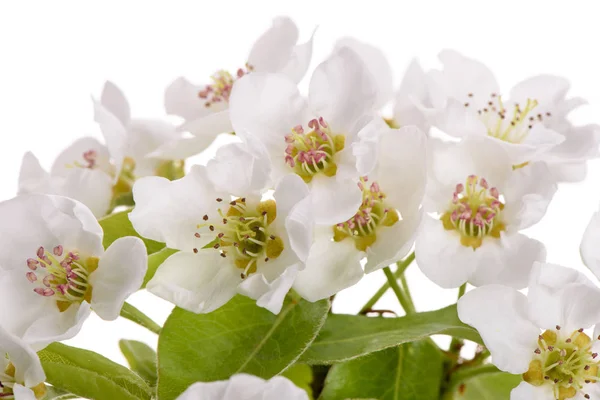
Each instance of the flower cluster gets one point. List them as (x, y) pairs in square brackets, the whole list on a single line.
[(316, 191)]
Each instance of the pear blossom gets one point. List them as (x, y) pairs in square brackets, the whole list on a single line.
[(245, 387), (590, 252), (412, 93), (543, 336), (312, 139), (98, 174), (21, 373), (383, 228), (53, 268), (204, 107), (531, 123), (231, 238), (477, 206)]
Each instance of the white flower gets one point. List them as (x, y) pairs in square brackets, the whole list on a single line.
[(53, 268), (21, 373), (245, 387), (311, 140), (205, 107), (531, 124), (479, 205), (245, 243), (97, 174), (590, 252), (541, 336), (411, 95), (383, 226)]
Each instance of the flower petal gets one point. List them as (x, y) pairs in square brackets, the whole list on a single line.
[(32, 177), (589, 245), (525, 391), (114, 100), (73, 156), (441, 256), (335, 200), (413, 89), (543, 88), (274, 48), (295, 205), (199, 283), (499, 314), (181, 99), (23, 393), (377, 64), (114, 132), (269, 295), (331, 267), (169, 211), (205, 391), (208, 125), (182, 147), (299, 61), (28, 369), (507, 261), (342, 90), (120, 273), (93, 188)]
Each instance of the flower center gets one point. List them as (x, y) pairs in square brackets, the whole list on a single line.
[(314, 152), (372, 213), (510, 124), (62, 275), (7, 382), (243, 233), (475, 212), (565, 362), (220, 88)]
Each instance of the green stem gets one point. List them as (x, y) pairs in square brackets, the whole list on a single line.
[(402, 265), (463, 374), (404, 301), (406, 290), (462, 290), (457, 344), (133, 314)]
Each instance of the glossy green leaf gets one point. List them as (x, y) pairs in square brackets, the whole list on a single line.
[(141, 359), (495, 386), (302, 376), (238, 337), (91, 375), (345, 337), (154, 261), (117, 225), (53, 393), (411, 371)]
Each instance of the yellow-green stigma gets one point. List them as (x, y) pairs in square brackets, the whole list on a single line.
[(243, 233), (372, 214), (475, 212), (309, 154), (567, 362)]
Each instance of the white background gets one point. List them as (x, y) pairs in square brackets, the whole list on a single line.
[(55, 54)]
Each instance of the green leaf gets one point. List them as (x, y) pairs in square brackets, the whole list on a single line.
[(345, 337), (53, 393), (302, 376), (238, 337), (489, 387), (154, 261), (118, 225), (91, 375), (411, 371), (141, 359)]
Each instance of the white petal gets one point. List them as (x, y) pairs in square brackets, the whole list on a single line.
[(183, 147), (269, 295), (144, 136), (245, 387), (441, 256), (590, 251), (28, 369), (393, 243), (290, 190), (367, 148), (295, 205), (114, 132), (273, 49), (199, 283), (543, 88), (267, 106), (280, 387), (114, 100), (299, 61), (507, 261), (31, 221), (120, 273), (562, 296), (539, 140), (92, 187), (499, 314), (377, 64), (23, 393), (181, 99), (527, 194), (569, 171), (72, 156), (205, 391), (32, 177), (335, 200), (412, 90), (525, 391), (240, 168), (331, 267), (342, 90), (169, 211), (208, 125)]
